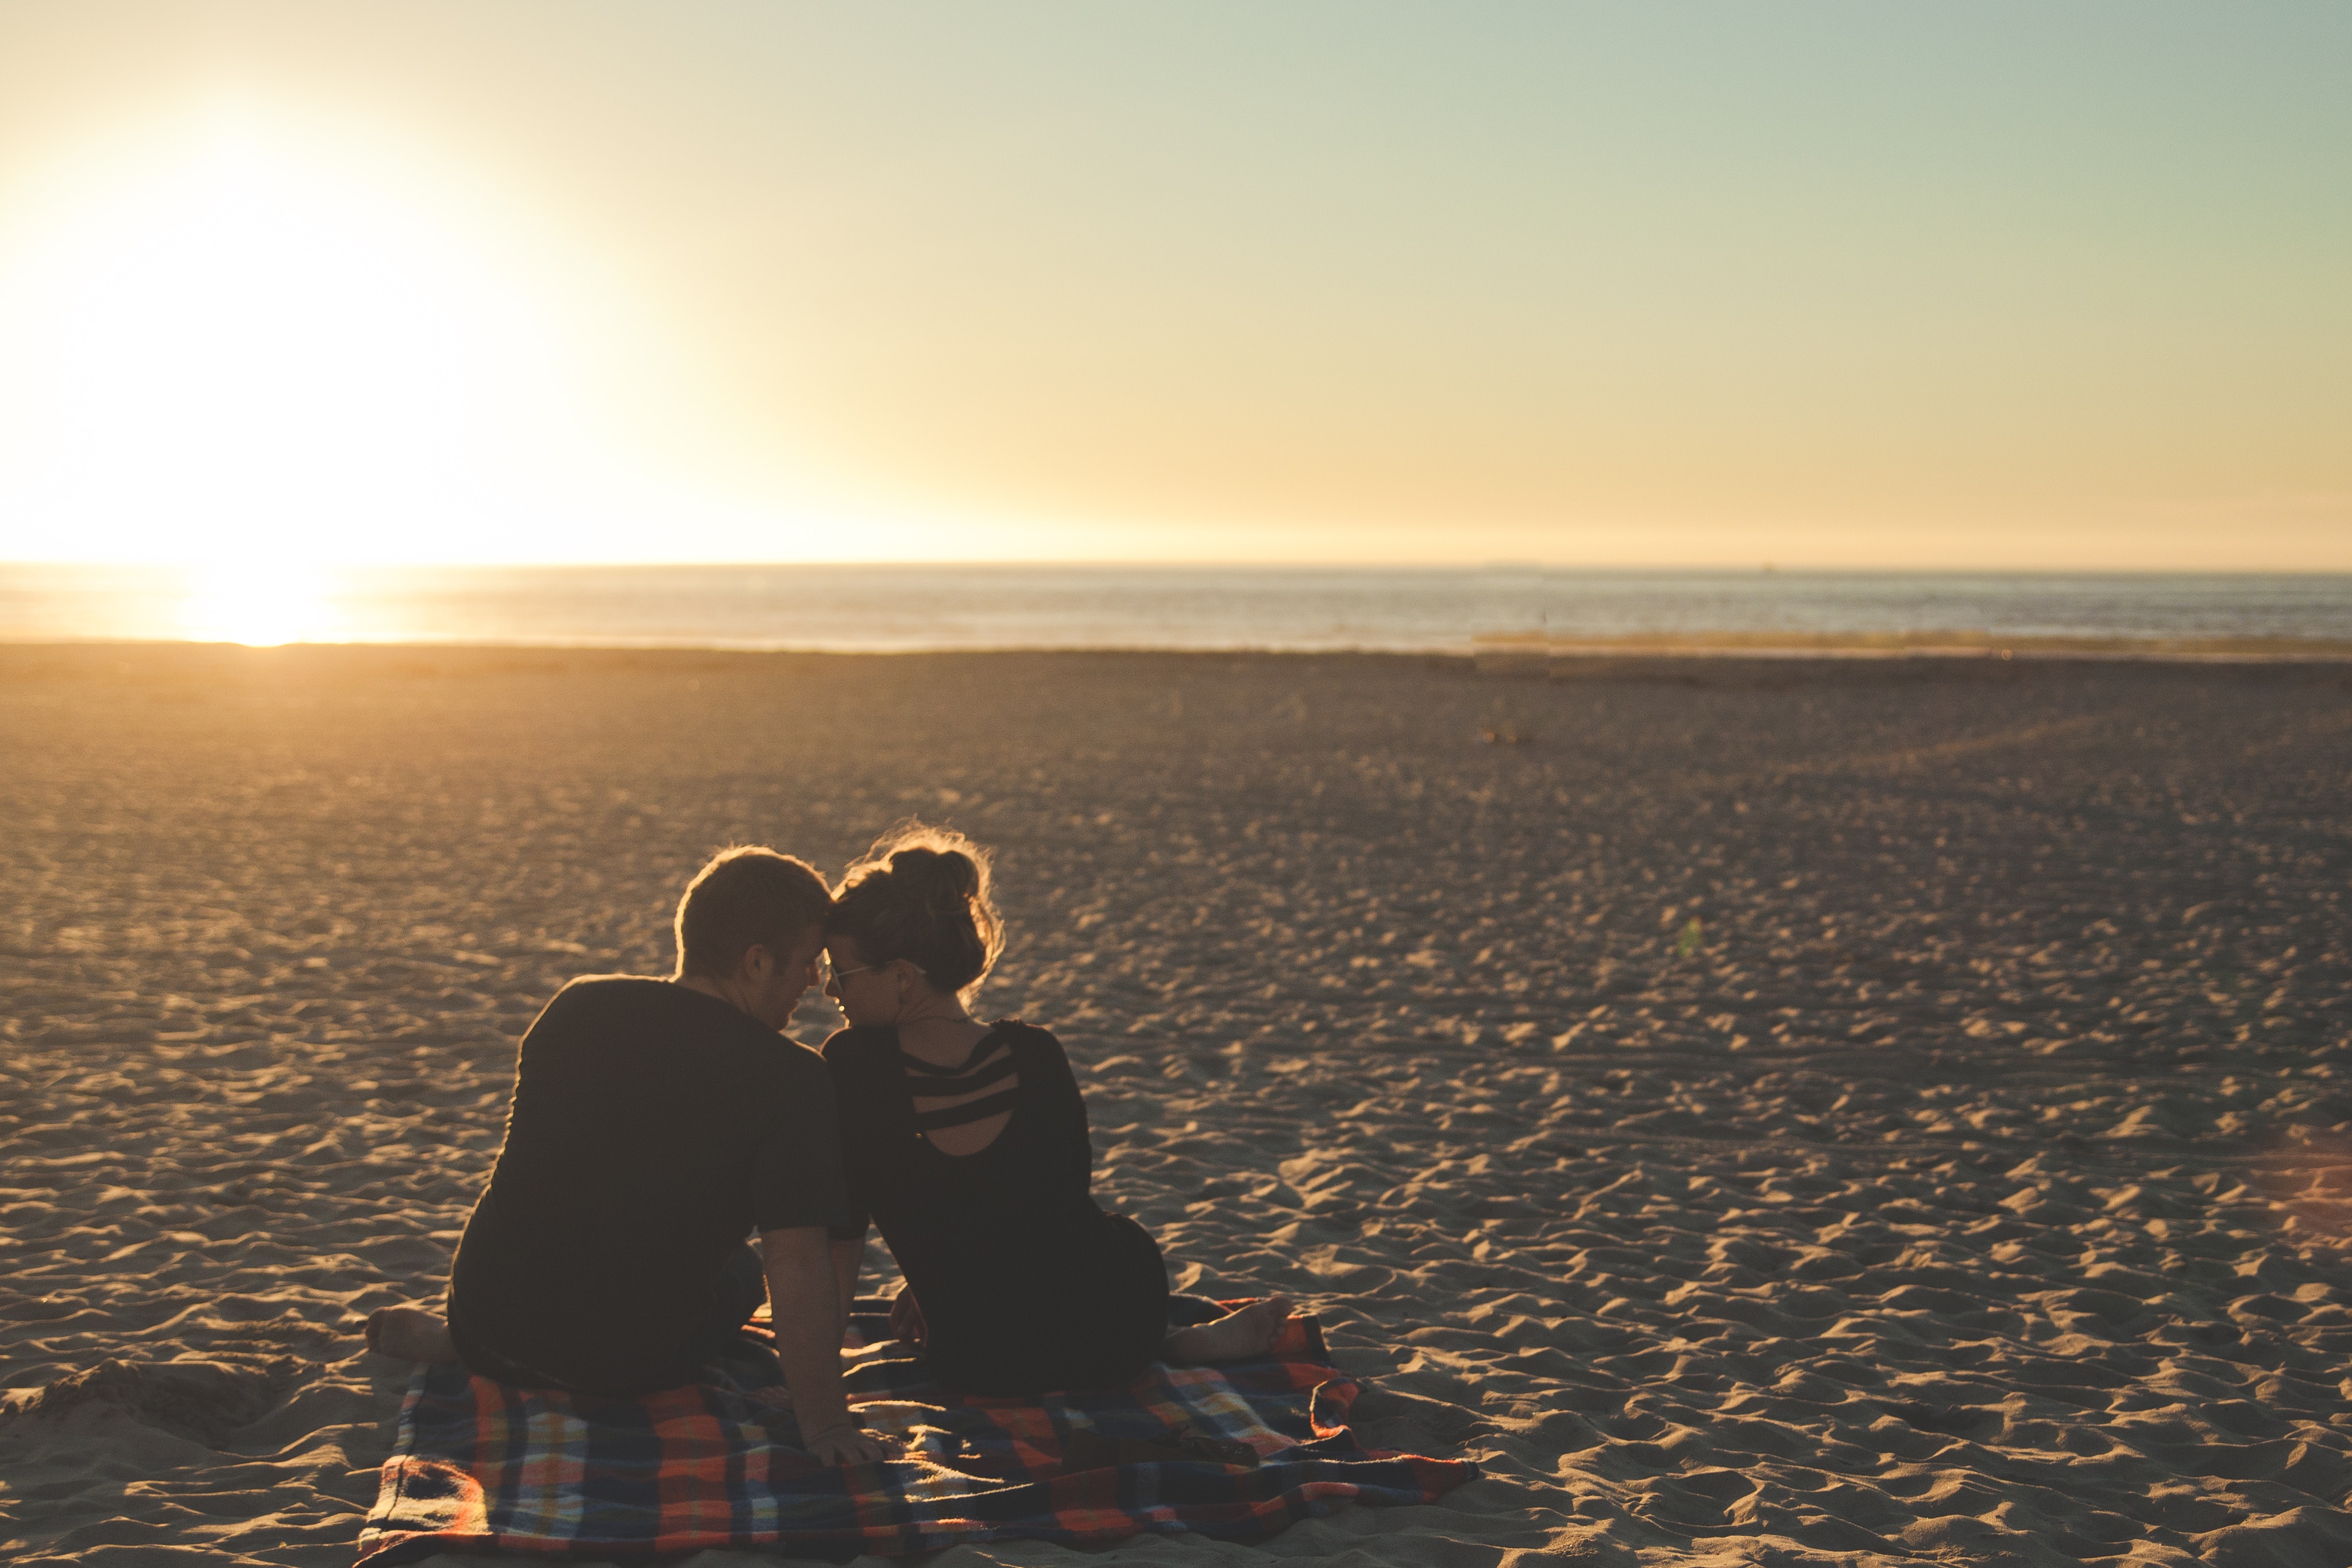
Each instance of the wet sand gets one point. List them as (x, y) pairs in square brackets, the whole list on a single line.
[(1779, 1112)]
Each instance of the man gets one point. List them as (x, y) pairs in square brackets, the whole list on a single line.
[(654, 1124)]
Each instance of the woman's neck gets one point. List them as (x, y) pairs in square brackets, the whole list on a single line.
[(938, 1028)]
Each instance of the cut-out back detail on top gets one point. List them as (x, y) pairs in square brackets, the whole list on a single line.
[(930, 1080)]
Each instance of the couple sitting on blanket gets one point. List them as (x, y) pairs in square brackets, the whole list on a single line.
[(656, 1122)]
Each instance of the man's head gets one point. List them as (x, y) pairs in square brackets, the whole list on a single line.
[(749, 928)]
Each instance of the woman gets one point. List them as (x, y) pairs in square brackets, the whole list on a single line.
[(966, 1143)]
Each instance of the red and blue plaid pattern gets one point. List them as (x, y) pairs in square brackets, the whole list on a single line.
[(479, 1467)]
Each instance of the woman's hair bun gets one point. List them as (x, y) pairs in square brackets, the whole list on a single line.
[(942, 876), (922, 894)]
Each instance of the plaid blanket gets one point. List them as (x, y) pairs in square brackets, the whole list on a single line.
[(479, 1467)]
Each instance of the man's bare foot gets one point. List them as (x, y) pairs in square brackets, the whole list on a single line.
[(411, 1333), (1237, 1336)]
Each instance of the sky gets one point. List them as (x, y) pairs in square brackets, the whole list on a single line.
[(1849, 285)]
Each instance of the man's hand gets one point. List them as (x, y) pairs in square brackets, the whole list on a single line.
[(907, 1317), (849, 1444)]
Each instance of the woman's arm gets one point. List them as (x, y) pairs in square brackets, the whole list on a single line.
[(1061, 1089)]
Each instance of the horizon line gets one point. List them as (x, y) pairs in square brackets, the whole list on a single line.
[(1075, 564)]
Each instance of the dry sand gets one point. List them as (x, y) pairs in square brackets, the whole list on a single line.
[(1779, 1113)]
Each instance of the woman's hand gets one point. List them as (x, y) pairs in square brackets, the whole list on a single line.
[(848, 1443), (907, 1317)]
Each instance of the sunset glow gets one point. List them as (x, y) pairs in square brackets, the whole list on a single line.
[(1825, 287), (253, 347), (261, 603)]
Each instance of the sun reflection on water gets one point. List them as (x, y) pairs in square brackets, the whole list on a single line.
[(261, 603)]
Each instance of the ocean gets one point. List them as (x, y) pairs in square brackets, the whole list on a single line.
[(908, 608)]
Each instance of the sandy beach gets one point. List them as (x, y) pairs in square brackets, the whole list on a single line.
[(1774, 1112)]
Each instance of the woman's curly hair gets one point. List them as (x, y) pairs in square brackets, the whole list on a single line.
[(922, 894)]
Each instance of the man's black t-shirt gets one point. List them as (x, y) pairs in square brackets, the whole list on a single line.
[(652, 1129)]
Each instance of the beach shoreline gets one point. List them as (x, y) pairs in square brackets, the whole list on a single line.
[(1495, 653), (1813, 1110), (938, 608)]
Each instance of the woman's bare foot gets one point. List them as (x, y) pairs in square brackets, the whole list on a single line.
[(411, 1333), (1237, 1336)]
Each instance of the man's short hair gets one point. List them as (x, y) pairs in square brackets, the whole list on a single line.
[(748, 897)]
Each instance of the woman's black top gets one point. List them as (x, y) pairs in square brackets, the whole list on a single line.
[(1026, 1285)]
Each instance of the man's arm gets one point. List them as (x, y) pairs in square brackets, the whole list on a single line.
[(802, 1298), (848, 1256)]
